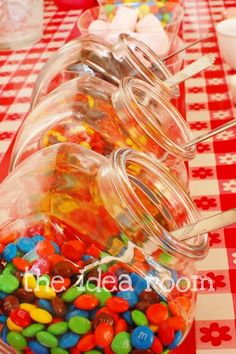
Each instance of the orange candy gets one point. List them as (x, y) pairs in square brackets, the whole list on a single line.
[(117, 304), (21, 264), (121, 326), (157, 313), (177, 322), (45, 248), (86, 343), (86, 302), (55, 258), (104, 334), (183, 302), (60, 286), (157, 346), (73, 250)]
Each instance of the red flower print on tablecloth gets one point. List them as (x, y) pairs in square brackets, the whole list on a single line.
[(198, 125), (203, 147), (195, 89), (5, 135), (196, 106), (217, 281), (202, 172), (215, 334), (214, 238), (205, 203)]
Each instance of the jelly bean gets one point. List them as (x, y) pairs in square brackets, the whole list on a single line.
[(86, 302), (47, 339), (103, 318), (104, 334), (68, 340), (44, 292), (79, 325), (71, 294), (9, 252), (157, 313), (16, 340), (177, 340), (73, 250), (166, 333), (86, 343), (29, 281), (37, 348), (121, 343), (129, 296), (45, 248), (10, 303), (8, 283), (20, 318), (58, 306), (76, 312), (13, 327), (21, 264), (157, 346), (27, 307), (117, 304), (139, 318), (58, 328), (32, 330), (45, 305), (142, 337), (25, 244), (41, 316), (59, 351), (121, 326)]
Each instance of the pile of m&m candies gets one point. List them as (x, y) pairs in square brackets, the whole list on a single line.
[(48, 307)]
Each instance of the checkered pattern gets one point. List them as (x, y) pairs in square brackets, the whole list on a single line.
[(212, 172)]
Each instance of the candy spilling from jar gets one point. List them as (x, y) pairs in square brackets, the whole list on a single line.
[(51, 308)]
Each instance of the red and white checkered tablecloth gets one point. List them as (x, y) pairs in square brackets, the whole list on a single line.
[(212, 172)]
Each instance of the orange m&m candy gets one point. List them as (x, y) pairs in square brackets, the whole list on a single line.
[(86, 343), (86, 302), (157, 313)]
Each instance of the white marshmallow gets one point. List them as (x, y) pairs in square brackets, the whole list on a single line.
[(158, 42), (149, 23), (99, 27), (125, 19)]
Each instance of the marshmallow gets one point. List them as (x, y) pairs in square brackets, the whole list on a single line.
[(158, 42), (99, 27), (149, 23), (125, 19)]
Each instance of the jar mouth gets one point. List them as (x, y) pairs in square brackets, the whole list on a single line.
[(124, 163), (137, 96), (128, 45)]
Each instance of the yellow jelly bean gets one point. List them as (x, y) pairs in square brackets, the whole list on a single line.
[(44, 292), (91, 101), (27, 307), (85, 144), (12, 326), (29, 281), (41, 316)]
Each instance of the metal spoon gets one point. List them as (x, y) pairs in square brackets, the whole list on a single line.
[(212, 223)]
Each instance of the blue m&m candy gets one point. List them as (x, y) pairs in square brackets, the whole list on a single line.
[(142, 337), (9, 252)]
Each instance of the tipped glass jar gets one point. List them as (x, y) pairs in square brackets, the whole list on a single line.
[(95, 114), (67, 201), (90, 54)]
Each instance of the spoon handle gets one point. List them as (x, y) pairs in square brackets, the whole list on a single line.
[(212, 223)]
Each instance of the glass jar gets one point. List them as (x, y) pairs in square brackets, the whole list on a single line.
[(21, 23), (125, 205), (100, 116), (91, 54)]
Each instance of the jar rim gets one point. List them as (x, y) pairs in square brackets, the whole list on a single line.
[(127, 95), (119, 160), (125, 46)]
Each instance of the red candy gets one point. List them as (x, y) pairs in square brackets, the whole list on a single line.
[(73, 250), (157, 346), (109, 281), (117, 304), (157, 313), (104, 334), (20, 318), (109, 312), (86, 343), (86, 302), (45, 248), (121, 326), (21, 264), (41, 266), (166, 333)]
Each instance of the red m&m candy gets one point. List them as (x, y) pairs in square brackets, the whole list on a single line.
[(20, 317)]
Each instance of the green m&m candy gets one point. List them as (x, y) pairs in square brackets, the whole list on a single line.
[(16, 340), (47, 339), (79, 325), (121, 343), (58, 328), (32, 330)]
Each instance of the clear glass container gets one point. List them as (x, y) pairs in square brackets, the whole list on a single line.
[(21, 23), (126, 205), (98, 115), (90, 54)]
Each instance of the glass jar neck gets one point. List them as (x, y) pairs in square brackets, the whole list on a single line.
[(148, 65), (140, 194), (146, 114)]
